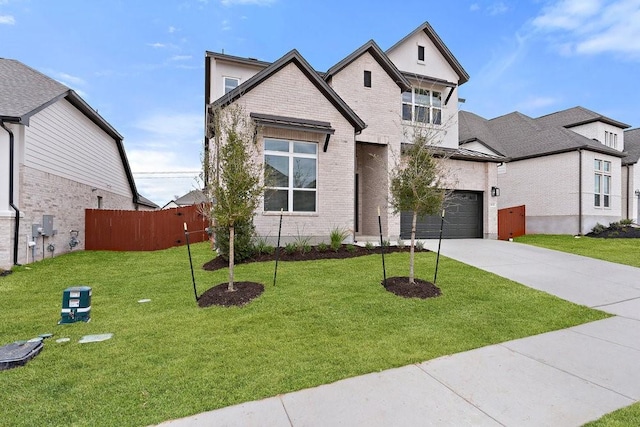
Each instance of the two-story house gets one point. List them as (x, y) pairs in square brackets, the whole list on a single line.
[(343, 131), (566, 168)]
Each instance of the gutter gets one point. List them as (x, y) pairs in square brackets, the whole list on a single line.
[(629, 192), (16, 231)]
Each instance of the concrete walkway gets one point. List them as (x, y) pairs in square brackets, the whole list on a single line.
[(562, 378)]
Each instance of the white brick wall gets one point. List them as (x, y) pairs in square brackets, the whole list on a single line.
[(289, 93)]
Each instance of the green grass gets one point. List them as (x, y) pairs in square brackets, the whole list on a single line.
[(621, 251), (325, 320), (625, 417)]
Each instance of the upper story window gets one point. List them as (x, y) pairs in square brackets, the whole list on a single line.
[(602, 183), (367, 79), (230, 83), (611, 139), (291, 174), (421, 53), (423, 106)]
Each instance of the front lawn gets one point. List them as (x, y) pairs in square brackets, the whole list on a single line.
[(325, 320), (621, 251)]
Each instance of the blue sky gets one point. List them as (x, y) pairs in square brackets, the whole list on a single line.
[(141, 63)]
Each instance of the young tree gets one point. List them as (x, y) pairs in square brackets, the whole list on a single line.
[(417, 183), (234, 176)]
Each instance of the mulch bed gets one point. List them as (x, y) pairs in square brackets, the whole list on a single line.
[(5, 272), (627, 232), (420, 289), (219, 295), (247, 291)]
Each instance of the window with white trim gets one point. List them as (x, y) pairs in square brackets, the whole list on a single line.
[(423, 106), (602, 184), (291, 173), (230, 83)]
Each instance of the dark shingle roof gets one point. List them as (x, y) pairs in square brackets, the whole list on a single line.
[(191, 198), (146, 202), (25, 91), (577, 116), (631, 146), (518, 136)]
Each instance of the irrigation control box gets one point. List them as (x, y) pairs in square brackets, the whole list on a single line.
[(76, 304)]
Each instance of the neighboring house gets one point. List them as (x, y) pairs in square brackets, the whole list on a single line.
[(193, 197), (565, 167), (631, 175), (58, 158), (343, 130)]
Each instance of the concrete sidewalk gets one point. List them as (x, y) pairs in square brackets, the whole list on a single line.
[(561, 378)]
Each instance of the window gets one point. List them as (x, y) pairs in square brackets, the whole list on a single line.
[(602, 183), (367, 79), (422, 106), (421, 53), (99, 202), (230, 83), (290, 175), (611, 139)]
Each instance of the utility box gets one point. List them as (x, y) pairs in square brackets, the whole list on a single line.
[(47, 225), (76, 304)]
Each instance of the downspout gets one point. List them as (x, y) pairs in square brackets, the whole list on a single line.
[(16, 232), (580, 193)]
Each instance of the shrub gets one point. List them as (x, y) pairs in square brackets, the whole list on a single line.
[(401, 243), (290, 248), (615, 226), (369, 246), (322, 247), (261, 246), (244, 233), (336, 237), (302, 244), (626, 221), (351, 248), (598, 228), (419, 245)]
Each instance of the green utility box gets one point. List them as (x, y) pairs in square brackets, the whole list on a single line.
[(76, 304)]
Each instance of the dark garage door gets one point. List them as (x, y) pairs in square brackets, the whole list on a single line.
[(462, 220)]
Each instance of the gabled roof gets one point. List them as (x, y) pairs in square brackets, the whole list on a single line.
[(293, 57), (383, 60), (577, 116), (442, 48), (25, 91), (631, 146), (146, 202), (191, 198), (519, 137)]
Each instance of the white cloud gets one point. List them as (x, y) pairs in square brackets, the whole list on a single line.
[(7, 20), (173, 127), (247, 2), (70, 80), (172, 29), (497, 8), (181, 57), (157, 45), (537, 103), (474, 7), (592, 26)]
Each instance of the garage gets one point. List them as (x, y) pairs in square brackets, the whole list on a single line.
[(463, 219)]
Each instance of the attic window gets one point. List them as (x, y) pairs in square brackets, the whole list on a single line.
[(367, 79), (420, 53), (230, 83)]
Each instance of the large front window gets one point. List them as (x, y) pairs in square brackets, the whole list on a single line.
[(290, 175), (423, 106), (602, 183)]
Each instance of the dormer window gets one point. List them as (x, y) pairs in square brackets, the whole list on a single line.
[(230, 83), (420, 53)]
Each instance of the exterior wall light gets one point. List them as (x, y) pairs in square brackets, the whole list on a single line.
[(638, 193), (495, 191)]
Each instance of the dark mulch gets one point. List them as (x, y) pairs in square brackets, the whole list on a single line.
[(5, 272), (345, 251), (219, 295), (420, 289), (627, 232)]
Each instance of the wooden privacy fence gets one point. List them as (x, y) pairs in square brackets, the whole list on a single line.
[(113, 230), (511, 222)]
